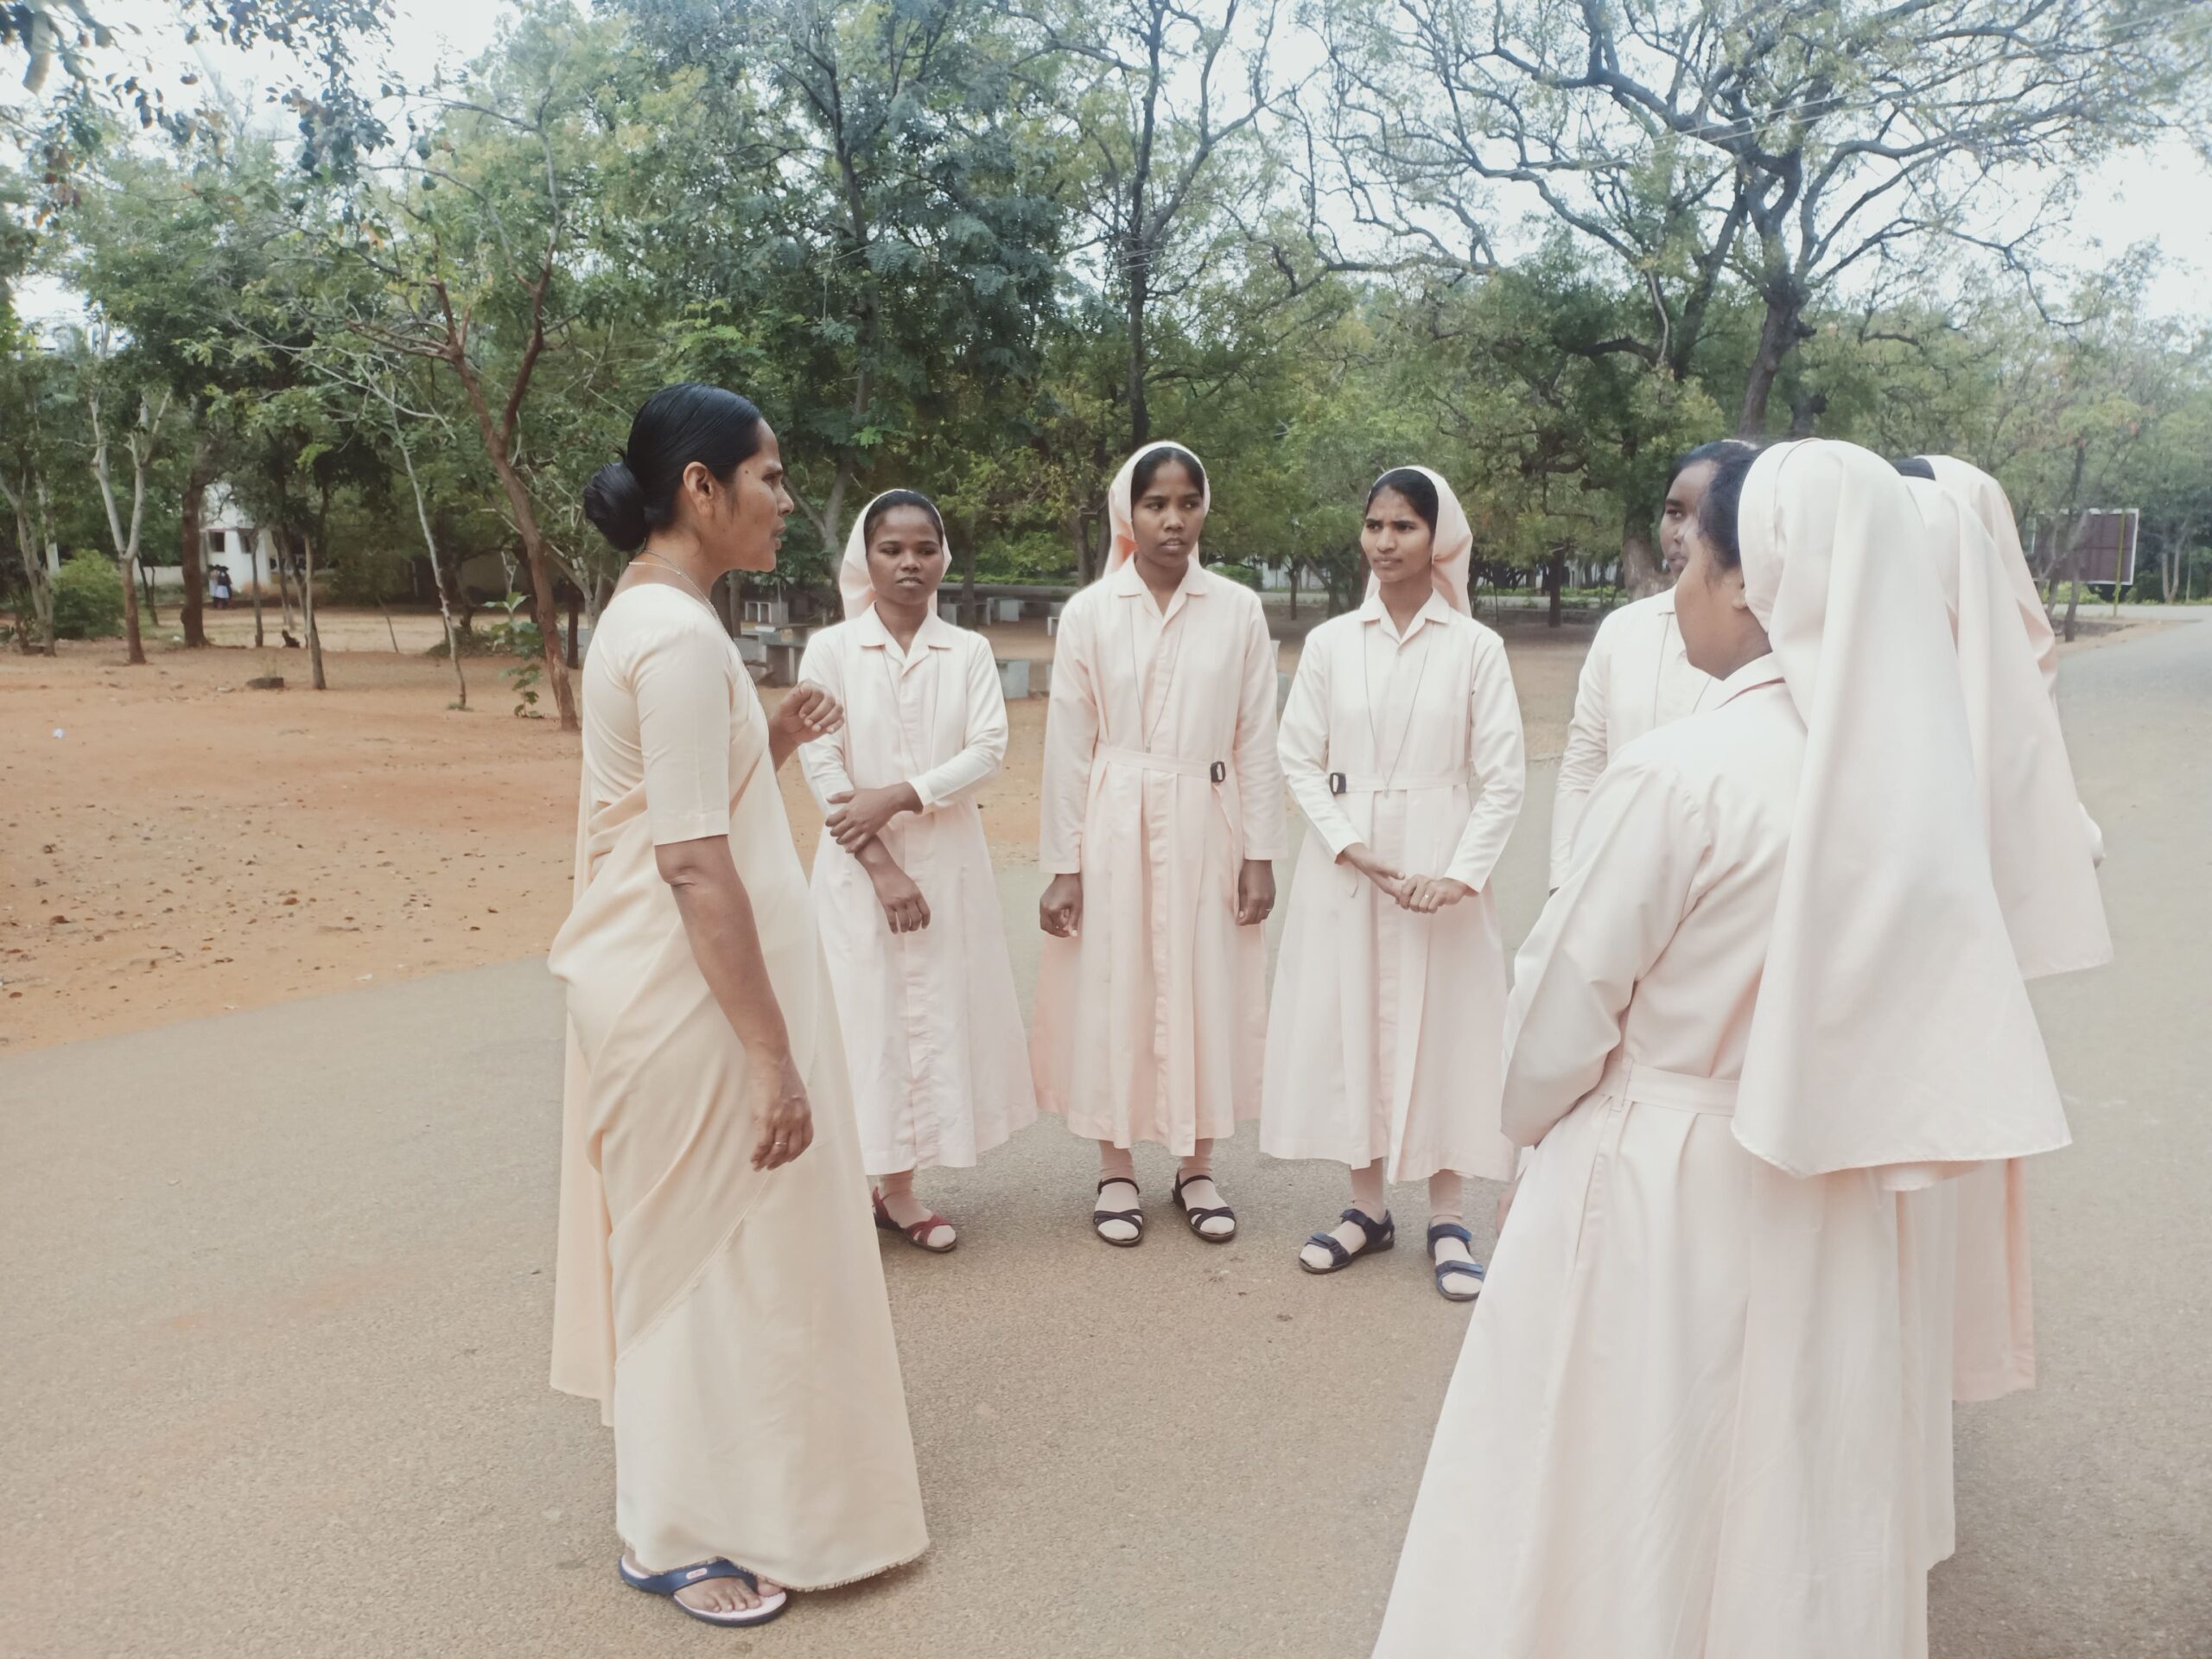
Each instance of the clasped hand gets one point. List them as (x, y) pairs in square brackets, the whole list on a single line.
[(1423, 894), (858, 816)]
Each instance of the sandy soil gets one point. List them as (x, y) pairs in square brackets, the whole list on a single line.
[(175, 845)]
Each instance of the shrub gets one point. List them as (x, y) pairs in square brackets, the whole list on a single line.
[(88, 599), (1243, 573)]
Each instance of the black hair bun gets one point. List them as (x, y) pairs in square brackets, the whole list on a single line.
[(615, 502)]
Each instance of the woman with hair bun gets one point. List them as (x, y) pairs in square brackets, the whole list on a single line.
[(1401, 743), (904, 894), (1162, 812), (718, 1289)]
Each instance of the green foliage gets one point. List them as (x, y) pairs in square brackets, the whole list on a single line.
[(970, 248), (517, 636), (87, 598)]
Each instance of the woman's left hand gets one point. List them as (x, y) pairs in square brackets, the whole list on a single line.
[(808, 712), (1255, 892), (857, 815), (1429, 893)]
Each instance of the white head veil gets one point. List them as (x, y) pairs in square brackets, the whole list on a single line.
[(1984, 497), (1452, 545), (1120, 505), (2039, 854), (854, 586), (1892, 1027)]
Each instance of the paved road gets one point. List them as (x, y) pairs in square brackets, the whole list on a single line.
[(274, 1296)]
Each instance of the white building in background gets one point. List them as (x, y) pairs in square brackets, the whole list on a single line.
[(232, 540)]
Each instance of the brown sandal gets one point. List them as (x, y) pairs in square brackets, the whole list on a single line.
[(917, 1235)]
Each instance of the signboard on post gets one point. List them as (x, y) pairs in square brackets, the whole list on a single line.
[(2107, 556)]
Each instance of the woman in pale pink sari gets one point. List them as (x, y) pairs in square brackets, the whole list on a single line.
[(1774, 990), (1162, 814), (718, 1289)]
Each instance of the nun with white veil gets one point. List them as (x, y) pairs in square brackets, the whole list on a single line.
[(1774, 990), (1970, 1315)]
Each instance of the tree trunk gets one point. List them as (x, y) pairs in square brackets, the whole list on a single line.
[(546, 612), (1805, 411), (1294, 590), (146, 581), (1140, 410), (1555, 579), (1641, 572), (188, 549), (248, 539), (2074, 574), (575, 611), (307, 614), (134, 646), (1778, 332), (446, 606), (967, 578), (34, 578), (282, 542), (1079, 534)]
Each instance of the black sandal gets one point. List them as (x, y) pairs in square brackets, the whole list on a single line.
[(1380, 1236), (1446, 1269), (1195, 1216), (1134, 1217)]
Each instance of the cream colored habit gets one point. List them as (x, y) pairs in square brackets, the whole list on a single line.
[(731, 1322), (1774, 989), (2042, 862), (1636, 679), (932, 1029), (1160, 778), (1383, 1034)]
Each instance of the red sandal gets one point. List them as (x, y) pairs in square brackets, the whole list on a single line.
[(917, 1235)]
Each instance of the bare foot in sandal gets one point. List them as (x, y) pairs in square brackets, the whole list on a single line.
[(713, 1598)]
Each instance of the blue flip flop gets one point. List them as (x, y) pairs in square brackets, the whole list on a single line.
[(667, 1583), (1446, 1270)]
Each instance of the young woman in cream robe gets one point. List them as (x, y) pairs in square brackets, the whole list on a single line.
[(903, 889), (718, 1289), (1162, 810), (1402, 744), (1636, 676), (1774, 990)]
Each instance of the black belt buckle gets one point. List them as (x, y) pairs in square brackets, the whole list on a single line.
[(1336, 784), (1220, 772)]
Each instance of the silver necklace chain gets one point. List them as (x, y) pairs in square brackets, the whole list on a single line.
[(671, 569)]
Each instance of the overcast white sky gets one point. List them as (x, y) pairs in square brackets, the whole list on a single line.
[(2163, 195)]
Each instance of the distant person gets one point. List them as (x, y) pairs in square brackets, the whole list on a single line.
[(719, 1289), (1985, 497), (903, 889), (1162, 809), (1964, 1243), (1774, 990), (219, 588), (1636, 676), (1402, 744)]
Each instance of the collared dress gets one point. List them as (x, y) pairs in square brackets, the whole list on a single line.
[(1678, 1428), (1637, 679), (1386, 1029), (1160, 779), (932, 1029)]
